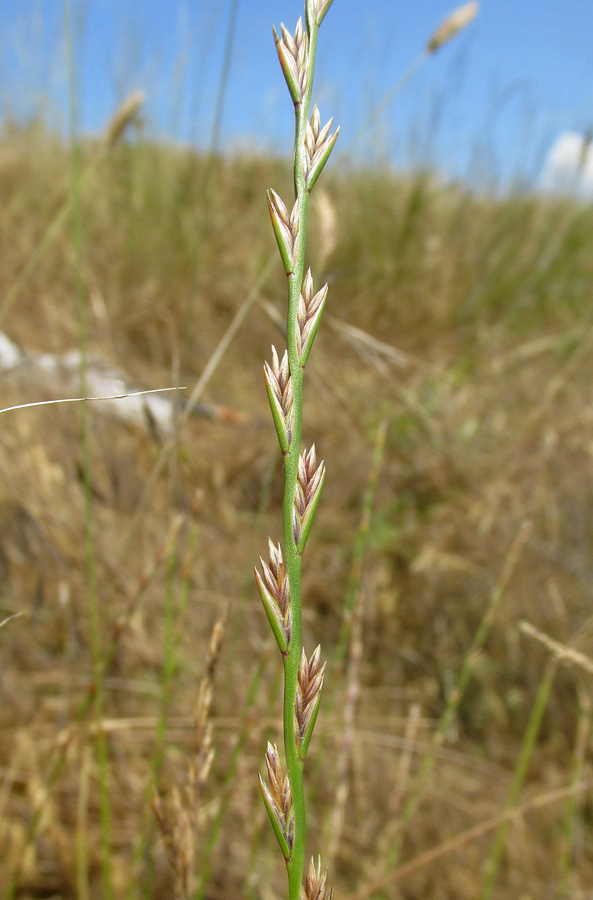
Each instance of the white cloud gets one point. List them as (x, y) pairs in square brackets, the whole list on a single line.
[(568, 168)]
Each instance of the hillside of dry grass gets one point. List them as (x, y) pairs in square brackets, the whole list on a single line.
[(463, 324)]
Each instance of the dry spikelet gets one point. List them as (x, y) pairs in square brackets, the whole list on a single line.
[(215, 644), (123, 116), (452, 25), (203, 752), (176, 814), (177, 833), (199, 767)]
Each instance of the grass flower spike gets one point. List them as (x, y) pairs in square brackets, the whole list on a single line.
[(280, 580), (452, 25)]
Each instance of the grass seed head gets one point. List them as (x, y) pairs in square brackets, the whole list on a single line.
[(123, 116), (453, 24)]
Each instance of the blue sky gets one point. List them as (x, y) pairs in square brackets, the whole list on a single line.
[(487, 107)]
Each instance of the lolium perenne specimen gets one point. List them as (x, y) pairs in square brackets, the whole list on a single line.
[(279, 581)]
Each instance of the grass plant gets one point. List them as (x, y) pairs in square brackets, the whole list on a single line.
[(280, 583)]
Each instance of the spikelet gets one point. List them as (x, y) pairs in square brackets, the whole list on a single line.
[(308, 697), (317, 10), (308, 317), (286, 229), (306, 496), (319, 143), (292, 53), (316, 883), (278, 801), (176, 827), (279, 387), (274, 590)]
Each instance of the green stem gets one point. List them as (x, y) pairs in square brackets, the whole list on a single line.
[(569, 864), (527, 748), (294, 765), (205, 216), (89, 541)]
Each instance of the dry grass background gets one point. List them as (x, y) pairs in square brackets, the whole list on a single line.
[(478, 353)]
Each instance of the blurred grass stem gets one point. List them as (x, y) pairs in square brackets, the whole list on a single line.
[(526, 752), (91, 575), (118, 123), (452, 25)]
